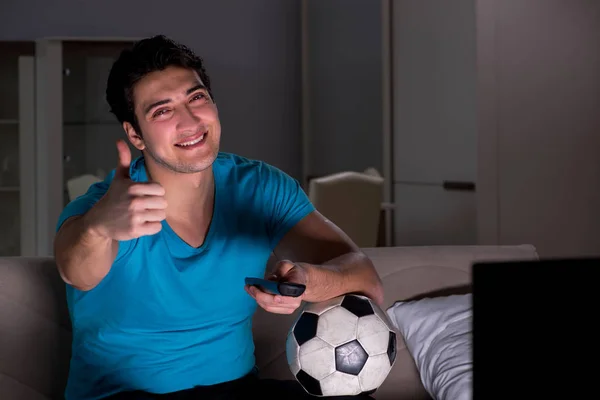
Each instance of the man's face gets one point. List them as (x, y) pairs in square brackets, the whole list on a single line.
[(179, 122)]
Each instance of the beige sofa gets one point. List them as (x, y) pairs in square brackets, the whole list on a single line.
[(35, 330)]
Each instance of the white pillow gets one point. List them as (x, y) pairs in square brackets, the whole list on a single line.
[(438, 335)]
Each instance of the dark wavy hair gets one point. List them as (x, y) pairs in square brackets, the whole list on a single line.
[(145, 56)]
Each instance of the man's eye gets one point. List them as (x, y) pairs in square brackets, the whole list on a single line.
[(158, 113)]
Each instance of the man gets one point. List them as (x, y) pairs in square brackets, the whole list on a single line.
[(155, 257)]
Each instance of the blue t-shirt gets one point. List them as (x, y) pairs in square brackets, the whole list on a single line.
[(169, 316)]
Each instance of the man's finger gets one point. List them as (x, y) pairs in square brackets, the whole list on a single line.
[(150, 203), (146, 189), (285, 301), (282, 268), (260, 296), (271, 306), (150, 228), (271, 300), (280, 310), (154, 215), (122, 170)]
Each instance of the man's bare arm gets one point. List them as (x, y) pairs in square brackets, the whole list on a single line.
[(83, 257), (86, 246), (334, 264)]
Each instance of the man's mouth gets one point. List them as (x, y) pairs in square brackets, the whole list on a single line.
[(193, 140)]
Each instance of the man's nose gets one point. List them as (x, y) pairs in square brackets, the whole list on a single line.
[(187, 119)]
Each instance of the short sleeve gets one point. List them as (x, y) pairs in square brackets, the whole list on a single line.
[(83, 203), (286, 203)]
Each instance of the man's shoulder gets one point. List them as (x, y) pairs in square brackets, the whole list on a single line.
[(245, 166), (231, 160)]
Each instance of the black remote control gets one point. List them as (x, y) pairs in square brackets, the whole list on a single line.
[(281, 288)]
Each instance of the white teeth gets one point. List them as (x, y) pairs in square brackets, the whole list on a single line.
[(193, 142)]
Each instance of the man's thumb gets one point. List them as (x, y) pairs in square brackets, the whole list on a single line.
[(282, 269), (122, 170)]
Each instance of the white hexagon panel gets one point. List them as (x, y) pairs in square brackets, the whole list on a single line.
[(291, 351), (322, 306), (339, 382), (374, 372), (373, 335), (384, 318), (337, 326), (317, 358)]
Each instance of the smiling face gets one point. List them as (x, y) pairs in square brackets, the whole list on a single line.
[(178, 121)]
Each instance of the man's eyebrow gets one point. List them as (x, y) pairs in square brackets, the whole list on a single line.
[(165, 101), (156, 104), (195, 88)]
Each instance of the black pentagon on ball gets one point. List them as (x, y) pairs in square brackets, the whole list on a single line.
[(357, 305), (391, 351), (350, 357), (306, 327), (310, 384)]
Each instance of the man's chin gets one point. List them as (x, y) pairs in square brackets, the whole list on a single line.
[(196, 166), (183, 167)]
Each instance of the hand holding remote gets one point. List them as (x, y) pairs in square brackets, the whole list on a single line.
[(283, 293), (277, 288)]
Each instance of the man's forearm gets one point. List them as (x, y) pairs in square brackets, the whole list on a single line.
[(350, 273), (83, 257)]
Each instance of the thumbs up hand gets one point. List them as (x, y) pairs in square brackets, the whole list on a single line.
[(122, 170), (129, 209)]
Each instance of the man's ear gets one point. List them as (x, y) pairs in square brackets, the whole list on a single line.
[(135, 139)]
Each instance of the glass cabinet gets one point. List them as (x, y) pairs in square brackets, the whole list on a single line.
[(73, 131), (16, 150)]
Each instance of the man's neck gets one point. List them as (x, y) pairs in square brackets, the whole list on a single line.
[(186, 194)]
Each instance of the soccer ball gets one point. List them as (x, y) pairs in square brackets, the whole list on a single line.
[(341, 347)]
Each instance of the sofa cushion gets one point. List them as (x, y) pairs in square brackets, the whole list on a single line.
[(438, 335), (13, 389), (35, 329), (408, 272)]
